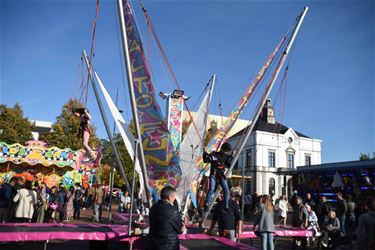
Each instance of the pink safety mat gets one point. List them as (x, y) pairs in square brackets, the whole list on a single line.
[(204, 241), (55, 231), (281, 231)]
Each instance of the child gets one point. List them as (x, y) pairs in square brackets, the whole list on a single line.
[(219, 160), (312, 221), (85, 131)]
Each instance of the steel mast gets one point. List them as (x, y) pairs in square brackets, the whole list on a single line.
[(250, 129), (138, 137)]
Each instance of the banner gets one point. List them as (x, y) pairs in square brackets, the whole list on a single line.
[(175, 109), (161, 161)]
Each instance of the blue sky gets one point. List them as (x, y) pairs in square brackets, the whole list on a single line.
[(330, 82)]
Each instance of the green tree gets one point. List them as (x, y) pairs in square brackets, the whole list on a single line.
[(365, 157), (14, 128), (108, 158), (65, 130), (106, 169)]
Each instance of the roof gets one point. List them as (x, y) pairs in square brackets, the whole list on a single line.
[(276, 128), (336, 166), (41, 126)]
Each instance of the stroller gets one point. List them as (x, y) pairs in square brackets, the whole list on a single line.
[(316, 239)]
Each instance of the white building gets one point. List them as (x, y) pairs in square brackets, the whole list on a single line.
[(272, 151), (40, 127)]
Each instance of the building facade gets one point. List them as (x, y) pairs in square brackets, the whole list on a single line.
[(272, 152), (40, 127)]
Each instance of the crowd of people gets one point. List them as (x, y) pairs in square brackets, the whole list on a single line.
[(330, 223), (339, 221), (342, 221), (26, 201)]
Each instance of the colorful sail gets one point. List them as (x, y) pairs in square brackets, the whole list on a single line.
[(161, 162), (123, 129), (191, 148), (220, 135), (174, 114)]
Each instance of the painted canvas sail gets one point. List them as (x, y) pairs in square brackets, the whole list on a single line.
[(174, 114), (161, 162), (191, 148), (127, 137)]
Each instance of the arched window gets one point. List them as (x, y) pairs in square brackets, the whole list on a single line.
[(271, 186)]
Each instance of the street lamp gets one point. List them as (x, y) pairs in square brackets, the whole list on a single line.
[(177, 93), (162, 95)]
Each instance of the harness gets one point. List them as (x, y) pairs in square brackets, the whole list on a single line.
[(84, 126), (217, 165)]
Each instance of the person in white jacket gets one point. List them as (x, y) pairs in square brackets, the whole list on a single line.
[(283, 209), (26, 199)]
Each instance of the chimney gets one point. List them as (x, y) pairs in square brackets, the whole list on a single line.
[(268, 113)]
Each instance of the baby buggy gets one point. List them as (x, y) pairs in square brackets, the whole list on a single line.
[(314, 240)]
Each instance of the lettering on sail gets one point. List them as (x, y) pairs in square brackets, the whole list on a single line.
[(161, 164), (144, 100), (134, 46), (134, 68)]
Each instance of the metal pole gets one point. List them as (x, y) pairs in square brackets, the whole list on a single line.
[(272, 82), (111, 175), (112, 171), (106, 124), (132, 195), (243, 192), (132, 98)]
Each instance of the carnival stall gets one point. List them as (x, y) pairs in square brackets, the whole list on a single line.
[(355, 177), (51, 165)]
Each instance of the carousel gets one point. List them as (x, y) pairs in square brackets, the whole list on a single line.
[(51, 165)]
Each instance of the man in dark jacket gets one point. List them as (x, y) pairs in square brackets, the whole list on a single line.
[(219, 162), (309, 201), (165, 222), (341, 211), (323, 210), (76, 199), (299, 220), (229, 220), (7, 192)]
